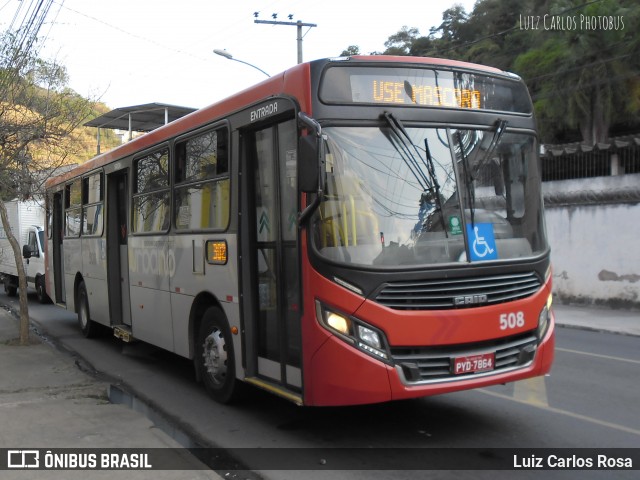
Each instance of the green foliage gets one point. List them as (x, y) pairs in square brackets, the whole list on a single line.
[(581, 75), (584, 77), (350, 51), (401, 42)]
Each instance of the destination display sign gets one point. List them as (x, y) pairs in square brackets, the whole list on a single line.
[(423, 87)]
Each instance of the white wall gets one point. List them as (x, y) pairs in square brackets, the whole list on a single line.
[(594, 231)]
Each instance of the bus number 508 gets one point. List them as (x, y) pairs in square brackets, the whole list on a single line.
[(511, 320)]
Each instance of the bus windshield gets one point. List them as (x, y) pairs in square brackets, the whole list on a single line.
[(400, 196)]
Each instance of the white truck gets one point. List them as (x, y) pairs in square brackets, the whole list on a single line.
[(26, 219)]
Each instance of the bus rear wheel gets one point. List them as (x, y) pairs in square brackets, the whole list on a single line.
[(215, 361), (89, 327)]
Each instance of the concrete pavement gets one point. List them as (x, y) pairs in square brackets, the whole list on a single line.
[(47, 402)]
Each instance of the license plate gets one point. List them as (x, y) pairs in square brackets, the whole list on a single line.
[(474, 363)]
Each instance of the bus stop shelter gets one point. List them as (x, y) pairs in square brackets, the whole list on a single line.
[(138, 118)]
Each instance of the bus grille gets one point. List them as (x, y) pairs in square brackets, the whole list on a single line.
[(451, 293), (430, 364)]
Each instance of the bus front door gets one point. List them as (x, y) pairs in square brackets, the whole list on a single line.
[(274, 345)]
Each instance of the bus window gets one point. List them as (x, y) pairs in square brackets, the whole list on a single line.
[(202, 182), (92, 205), (151, 195), (73, 211)]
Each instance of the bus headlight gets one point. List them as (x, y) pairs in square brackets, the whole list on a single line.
[(365, 337), (544, 318), (369, 337)]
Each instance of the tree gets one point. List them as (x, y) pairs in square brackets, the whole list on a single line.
[(581, 78), (453, 31), (350, 51), (38, 117), (400, 43), (583, 74)]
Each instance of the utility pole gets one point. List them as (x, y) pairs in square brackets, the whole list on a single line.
[(298, 24)]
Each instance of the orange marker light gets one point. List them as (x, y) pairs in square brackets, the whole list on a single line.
[(217, 252)]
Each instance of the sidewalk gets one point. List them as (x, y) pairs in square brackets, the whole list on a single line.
[(46, 402), (598, 319)]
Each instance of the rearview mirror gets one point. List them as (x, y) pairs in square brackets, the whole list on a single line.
[(308, 164)]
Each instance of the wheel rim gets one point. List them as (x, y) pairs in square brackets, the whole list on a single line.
[(215, 356)]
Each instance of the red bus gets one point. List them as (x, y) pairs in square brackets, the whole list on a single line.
[(350, 231)]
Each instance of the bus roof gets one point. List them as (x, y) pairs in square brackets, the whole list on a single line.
[(227, 106), (268, 87), (439, 62)]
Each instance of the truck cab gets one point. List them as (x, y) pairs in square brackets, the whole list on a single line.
[(34, 265)]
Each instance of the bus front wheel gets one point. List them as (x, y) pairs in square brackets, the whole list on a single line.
[(214, 357)]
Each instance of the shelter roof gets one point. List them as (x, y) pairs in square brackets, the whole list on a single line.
[(140, 118)]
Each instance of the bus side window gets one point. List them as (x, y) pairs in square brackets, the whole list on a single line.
[(151, 197), (202, 182)]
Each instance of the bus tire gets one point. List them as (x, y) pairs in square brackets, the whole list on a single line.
[(88, 327), (41, 290), (214, 357)]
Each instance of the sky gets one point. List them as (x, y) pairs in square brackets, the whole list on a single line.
[(132, 52)]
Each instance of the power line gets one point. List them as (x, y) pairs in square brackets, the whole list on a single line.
[(578, 68), (19, 49), (134, 35), (598, 82)]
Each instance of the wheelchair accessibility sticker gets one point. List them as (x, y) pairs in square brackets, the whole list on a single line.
[(482, 242)]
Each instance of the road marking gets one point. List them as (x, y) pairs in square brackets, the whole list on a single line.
[(532, 391), (566, 413), (597, 355)]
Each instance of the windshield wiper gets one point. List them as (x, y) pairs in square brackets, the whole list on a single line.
[(407, 149), (436, 185), (468, 178), (501, 126), (469, 175)]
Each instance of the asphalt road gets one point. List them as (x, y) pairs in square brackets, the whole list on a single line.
[(590, 400)]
